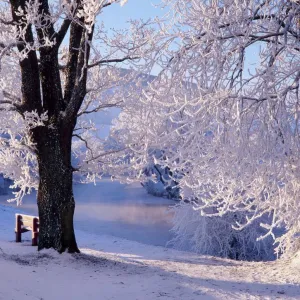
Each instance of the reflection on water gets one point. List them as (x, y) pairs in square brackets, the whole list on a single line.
[(135, 214), (119, 210), (148, 224)]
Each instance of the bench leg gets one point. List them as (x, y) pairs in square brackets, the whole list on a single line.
[(35, 238), (18, 237), (35, 233), (18, 229)]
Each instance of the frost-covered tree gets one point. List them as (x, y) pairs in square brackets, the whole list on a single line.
[(58, 65), (225, 111)]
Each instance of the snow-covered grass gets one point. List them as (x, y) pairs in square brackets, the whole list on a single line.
[(113, 268)]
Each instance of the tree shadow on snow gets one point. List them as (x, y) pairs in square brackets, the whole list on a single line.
[(171, 282)]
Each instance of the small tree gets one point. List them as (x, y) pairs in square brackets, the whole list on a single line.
[(57, 67), (225, 111)]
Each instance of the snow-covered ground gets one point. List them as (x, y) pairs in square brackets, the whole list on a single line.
[(110, 267), (113, 268)]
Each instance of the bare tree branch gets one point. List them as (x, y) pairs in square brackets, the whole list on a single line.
[(102, 106), (112, 60)]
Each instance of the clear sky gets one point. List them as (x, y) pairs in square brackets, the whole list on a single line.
[(116, 16)]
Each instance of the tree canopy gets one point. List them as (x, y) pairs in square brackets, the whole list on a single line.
[(225, 111)]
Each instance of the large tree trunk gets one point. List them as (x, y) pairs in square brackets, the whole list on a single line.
[(55, 199), (42, 92)]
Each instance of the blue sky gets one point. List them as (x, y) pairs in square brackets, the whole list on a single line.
[(116, 16)]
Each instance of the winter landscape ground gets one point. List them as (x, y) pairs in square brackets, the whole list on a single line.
[(111, 267)]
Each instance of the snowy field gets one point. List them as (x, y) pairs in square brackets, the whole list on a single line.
[(110, 267)]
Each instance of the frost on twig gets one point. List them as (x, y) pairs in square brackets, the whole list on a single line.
[(60, 66), (225, 112)]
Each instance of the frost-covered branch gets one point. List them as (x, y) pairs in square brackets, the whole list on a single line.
[(59, 66), (225, 112)]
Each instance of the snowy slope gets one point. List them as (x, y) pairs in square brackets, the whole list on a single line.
[(112, 268)]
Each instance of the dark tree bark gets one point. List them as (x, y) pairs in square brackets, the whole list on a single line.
[(55, 198), (42, 91)]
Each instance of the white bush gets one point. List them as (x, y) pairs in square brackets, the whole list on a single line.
[(215, 235)]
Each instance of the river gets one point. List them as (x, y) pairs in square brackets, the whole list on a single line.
[(120, 210)]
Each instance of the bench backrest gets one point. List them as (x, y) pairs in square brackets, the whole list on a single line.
[(27, 220)]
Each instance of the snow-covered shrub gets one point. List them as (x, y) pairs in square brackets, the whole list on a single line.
[(215, 235)]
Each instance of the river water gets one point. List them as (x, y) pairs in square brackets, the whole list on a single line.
[(111, 208)]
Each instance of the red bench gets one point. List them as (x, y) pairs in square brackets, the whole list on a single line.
[(26, 223)]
